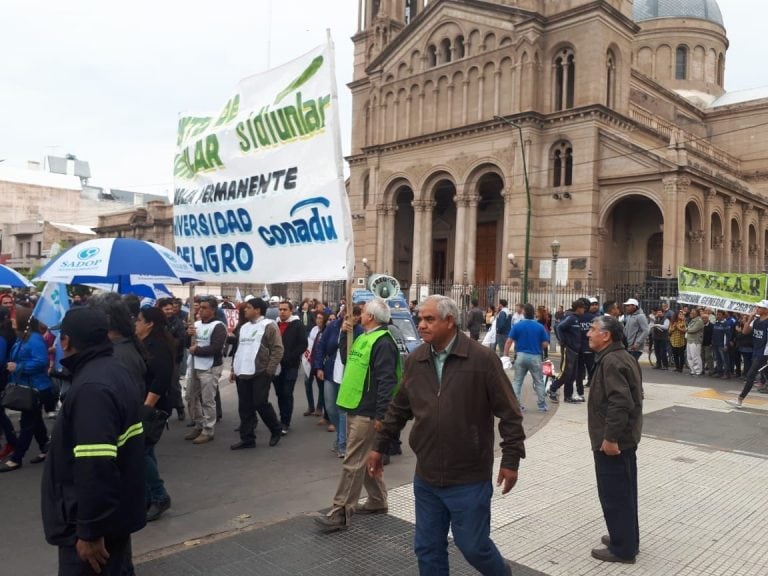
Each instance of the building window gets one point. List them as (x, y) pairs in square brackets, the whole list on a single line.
[(411, 8), (445, 51), (431, 56), (460, 50), (565, 80), (562, 165), (721, 71), (681, 63), (610, 88)]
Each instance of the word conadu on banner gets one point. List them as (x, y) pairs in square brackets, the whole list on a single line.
[(301, 231)]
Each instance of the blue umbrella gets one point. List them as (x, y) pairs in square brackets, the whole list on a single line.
[(144, 290), (120, 261), (10, 278)]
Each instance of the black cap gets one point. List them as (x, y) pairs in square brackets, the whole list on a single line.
[(85, 327)]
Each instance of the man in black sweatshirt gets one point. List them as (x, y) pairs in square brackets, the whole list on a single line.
[(294, 344)]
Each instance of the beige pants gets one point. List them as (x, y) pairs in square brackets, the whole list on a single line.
[(354, 476), (201, 391)]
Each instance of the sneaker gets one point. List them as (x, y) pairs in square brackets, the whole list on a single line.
[(553, 397), (735, 403), (333, 522), (543, 408), (284, 430), (578, 398), (570, 401), (51, 415), (193, 434), (342, 454), (275, 438)]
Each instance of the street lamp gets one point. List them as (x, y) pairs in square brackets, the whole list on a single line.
[(366, 269), (555, 246), (528, 199)]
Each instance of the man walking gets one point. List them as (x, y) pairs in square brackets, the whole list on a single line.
[(503, 325), (453, 388), (660, 334), (259, 351), (93, 483), (569, 336), (475, 320), (206, 352), (757, 326), (294, 340), (370, 378), (177, 330), (615, 420), (635, 327), (529, 339)]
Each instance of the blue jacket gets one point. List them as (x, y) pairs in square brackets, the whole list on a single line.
[(31, 358), (329, 345), (569, 332)]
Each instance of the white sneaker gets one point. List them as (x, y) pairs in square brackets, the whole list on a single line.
[(735, 404), (577, 398)]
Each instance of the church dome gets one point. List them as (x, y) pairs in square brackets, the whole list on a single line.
[(701, 9)]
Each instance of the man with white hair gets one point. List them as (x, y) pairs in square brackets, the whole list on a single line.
[(370, 379)]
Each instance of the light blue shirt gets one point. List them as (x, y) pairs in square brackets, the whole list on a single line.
[(440, 358)]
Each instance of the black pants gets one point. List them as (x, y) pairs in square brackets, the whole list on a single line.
[(617, 490), (662, 355), (285, 382), (586, 368), (174, 392), (678, 354), (253, 397), (120, 561), (569, 369), (758, 361)]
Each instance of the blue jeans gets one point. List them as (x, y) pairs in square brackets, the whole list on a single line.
[(526, 362), (466, 510), (501, 340), (722, 360), (336, 415), (155, 487)]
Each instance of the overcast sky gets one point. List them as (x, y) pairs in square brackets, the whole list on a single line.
[(105, 81)]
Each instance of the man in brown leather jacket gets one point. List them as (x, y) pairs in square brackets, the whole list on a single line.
[(453, 388)]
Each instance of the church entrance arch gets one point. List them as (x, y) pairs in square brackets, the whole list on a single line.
[(403, 235)]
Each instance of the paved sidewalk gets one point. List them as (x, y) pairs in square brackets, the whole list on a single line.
[(703, 506)]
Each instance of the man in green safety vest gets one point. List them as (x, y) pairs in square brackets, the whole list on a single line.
[(370, 380)]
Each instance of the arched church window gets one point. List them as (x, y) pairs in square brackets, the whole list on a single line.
[(565, 79), (721, 71), (562, 165), (445, 51), (610, 88), (681, 63), (411, 8), (431, 56), (460, 50)]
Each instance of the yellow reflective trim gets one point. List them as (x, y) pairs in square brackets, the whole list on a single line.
[(88, 450), (132, 431)]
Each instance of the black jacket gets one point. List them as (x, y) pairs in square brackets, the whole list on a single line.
[(294, 343), (93, 483)]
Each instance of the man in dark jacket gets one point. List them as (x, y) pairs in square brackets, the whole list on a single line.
[(453, 388), (569, 336), (93, 483), (370, 378), (475, 320), (615, 423), (294, 343)]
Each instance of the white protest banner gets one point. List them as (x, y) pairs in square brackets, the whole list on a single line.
[(733, 291), (259, 191)]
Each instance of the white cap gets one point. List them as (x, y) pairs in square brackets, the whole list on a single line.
[(593, 300), (249, 297), (274, 299), (633, 302), (762, 304)]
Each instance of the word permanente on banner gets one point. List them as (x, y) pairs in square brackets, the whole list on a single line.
[(731, 291), (260, 184)]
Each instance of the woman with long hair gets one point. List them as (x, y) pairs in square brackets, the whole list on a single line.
[(7, 339), (159, 346), (28, 366)]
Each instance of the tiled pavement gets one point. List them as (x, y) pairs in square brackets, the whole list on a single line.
[(703, 507)]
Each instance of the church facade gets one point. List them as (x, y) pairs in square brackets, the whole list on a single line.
[(636, 159)]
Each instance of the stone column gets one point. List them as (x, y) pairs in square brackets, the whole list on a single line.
[(408, 100), (496, 91), (435, 92), (395, 114), (506, 227), (381, 234), (729, 261), (389, 256), (746, 249), (706, 245), (473, 200), (426, 249), (480, 98), (449, 112), (762, 222), (460, 239), (421, 113), (416, 265), (465, 92)]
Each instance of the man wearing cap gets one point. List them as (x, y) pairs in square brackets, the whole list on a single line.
[(272, 312), (636, 327), (206, 351), (757, 325), (93, 482)]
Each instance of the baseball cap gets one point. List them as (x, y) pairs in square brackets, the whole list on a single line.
[(274, 299), (593, 300), (85, 327), (762, 304), (633, 302)]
